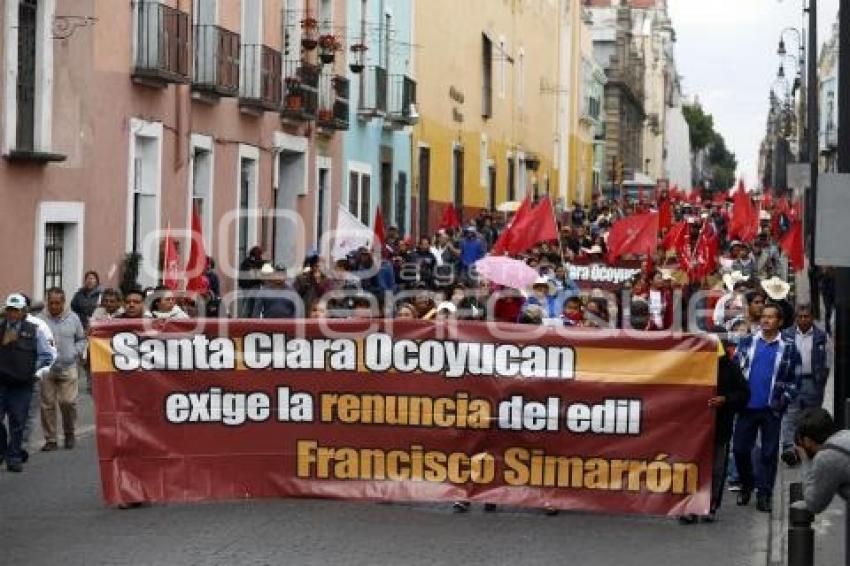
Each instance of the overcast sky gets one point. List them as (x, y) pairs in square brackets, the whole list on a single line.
[(726, 51)]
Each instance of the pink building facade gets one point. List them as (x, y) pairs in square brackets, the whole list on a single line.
[(121, 117)]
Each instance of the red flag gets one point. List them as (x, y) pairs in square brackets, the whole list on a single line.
[(538, 226), (767, 199), (503, 243), (634, 235), (675, 196), (450, 218), (704, 260), (683, 251), (745, 217), (665, 214), (380, 234), (719, 197), (197, 264), (675, 235), (535, 226), (792, 244), (796, 212), (170, 271)]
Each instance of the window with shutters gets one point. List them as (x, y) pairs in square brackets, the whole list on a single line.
[(27, 97), (457, 180), (26, 74), (401, 202), (360, 192), (487, 77), (162, 40)]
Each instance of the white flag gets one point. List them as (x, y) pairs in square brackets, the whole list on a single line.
[(350, 235)]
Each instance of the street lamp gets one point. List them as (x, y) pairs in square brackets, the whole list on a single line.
[(801, 49), (798, 73)]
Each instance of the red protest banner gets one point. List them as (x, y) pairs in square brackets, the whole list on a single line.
[(404, 410)]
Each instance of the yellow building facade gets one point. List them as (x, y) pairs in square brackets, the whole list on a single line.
[(488, 104)]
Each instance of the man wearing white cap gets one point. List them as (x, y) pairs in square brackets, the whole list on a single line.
[(24, 356)]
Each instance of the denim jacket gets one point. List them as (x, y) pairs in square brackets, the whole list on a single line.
[(785, 384), (820, 361)]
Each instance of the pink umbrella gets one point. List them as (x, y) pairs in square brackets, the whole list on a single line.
[(506, 271)]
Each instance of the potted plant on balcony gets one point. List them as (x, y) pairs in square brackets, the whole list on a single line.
[(325, 115), (294, 99), (310, 32), (358, 58), (294, 102), (328, 46)]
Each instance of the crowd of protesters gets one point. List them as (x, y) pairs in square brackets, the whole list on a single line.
[(774, 367)]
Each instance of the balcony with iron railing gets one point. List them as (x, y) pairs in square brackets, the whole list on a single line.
[(402, 100), (217, 61), (260, 86), (301, 86), (333, 102), (161, 44), (373, 93)]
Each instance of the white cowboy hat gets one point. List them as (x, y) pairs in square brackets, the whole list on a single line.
[(731, 279), (545, 281), (595, 250), (776, 288), (267, 269), (447, 306), (764, 215)]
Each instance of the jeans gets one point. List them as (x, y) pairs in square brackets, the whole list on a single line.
[(750, 423), (14, 404), (34, 411), (811, 395)]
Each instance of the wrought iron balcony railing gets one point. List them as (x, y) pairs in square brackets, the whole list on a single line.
[(333, 102), (301, 86), (373, 92), (402, 100)]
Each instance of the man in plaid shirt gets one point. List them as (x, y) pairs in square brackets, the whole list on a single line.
[(772, 366)]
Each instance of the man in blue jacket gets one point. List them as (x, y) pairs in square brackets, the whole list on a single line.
[(471, 250), (771, 365), (25, 355), (811, 342)]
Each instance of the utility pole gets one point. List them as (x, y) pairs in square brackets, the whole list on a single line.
[(813, 131), (842, 274)]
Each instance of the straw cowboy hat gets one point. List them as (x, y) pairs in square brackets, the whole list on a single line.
[(776, 288), (677, 276), (732, 279)]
